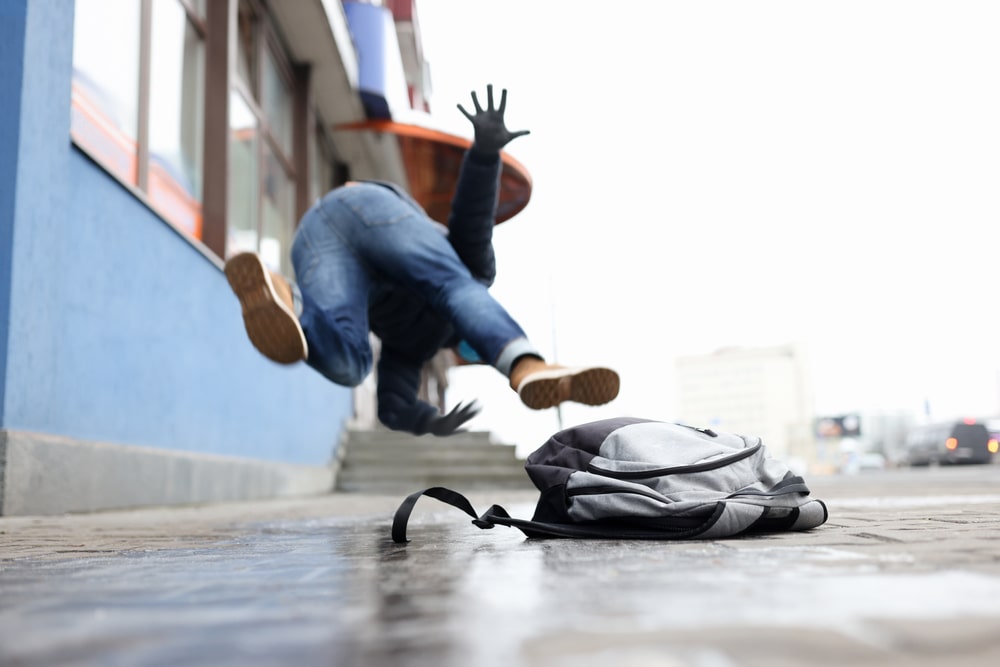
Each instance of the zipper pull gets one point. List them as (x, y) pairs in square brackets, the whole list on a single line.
[(707, 431)]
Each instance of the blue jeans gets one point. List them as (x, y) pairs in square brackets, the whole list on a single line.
[(365, 235)]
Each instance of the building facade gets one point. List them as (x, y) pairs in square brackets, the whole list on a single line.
[(756, 391)]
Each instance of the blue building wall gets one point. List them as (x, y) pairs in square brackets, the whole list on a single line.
[(115, 327), (12, 19)]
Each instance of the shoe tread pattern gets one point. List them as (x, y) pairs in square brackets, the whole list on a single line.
[(271, 328), (591, 386)]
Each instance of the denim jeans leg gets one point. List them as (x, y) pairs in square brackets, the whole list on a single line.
[(334, 288), (396, 239)]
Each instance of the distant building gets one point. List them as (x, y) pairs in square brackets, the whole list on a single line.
[(755, 391)]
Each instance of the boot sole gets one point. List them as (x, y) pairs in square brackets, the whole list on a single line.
[(590, 386), (271, 326)]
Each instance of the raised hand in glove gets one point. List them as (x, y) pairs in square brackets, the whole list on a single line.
[(491, 131), (449, 423)]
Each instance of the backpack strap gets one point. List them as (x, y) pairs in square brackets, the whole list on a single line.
[(498, 516), (453, 498)]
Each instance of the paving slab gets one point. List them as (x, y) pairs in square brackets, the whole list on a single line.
[(905, 572)]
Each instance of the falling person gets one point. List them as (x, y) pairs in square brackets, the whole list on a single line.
[(367, 258)]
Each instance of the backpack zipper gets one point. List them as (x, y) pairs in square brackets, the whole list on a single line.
[(675, 470), (707, 431)]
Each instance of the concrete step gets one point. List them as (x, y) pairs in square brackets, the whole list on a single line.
[(428, 471), (380, 454), (386, 437), (386, 461), (460, 481), (425, 468), (401, 470)]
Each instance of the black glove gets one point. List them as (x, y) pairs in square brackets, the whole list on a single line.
[(491, 132), (449, 423)]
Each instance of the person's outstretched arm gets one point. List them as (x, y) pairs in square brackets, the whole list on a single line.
[(474, 206)]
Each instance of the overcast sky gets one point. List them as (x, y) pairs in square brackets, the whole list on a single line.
[(711, 174)]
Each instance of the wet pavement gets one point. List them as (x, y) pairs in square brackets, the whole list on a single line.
[(905, 572)]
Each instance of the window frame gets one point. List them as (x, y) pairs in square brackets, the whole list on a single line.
[(216, 25)]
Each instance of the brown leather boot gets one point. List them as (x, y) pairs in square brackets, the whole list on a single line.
[(268, 309), (541, 385), (524, 367), (283, 290)]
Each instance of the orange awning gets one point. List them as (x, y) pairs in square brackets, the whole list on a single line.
[(432, 160)]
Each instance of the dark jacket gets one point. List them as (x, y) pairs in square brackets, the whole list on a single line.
[(411, 332)]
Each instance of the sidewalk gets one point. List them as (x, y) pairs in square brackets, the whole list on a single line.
[(906, 572)]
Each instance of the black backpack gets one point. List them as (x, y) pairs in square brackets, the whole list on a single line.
[(630, 478)]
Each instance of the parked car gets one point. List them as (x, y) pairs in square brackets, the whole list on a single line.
[(960, 441)]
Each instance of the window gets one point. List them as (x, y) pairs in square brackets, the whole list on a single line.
[(246, 46), (277, 214), (194, 105), (261, 125), (138, 98), (277, 103), (176, 115), (243, 233), (106, 83)]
